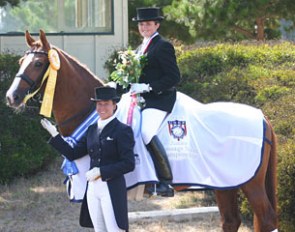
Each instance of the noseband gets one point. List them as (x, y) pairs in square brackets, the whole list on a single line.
[(32, 84)]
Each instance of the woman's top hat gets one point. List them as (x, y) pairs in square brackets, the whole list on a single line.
[(148, 14), (105, 93)]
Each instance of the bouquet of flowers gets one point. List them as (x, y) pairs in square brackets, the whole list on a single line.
[(128, 67)]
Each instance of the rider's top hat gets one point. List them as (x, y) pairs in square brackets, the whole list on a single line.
[(148, 14), (105, 93)]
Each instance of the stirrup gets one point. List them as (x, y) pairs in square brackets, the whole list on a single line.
[(154, 191)]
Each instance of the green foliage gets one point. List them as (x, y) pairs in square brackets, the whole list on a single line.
[(237, 72), (8, 65), (35, 15), (22, 140), (271, 93), (11, 2), (109, 64), (231, 20), (286, 193), (179, 32), (261, 75), (128, 67)]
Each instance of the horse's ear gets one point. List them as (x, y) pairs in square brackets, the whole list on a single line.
[(44, 41), (29, 39)]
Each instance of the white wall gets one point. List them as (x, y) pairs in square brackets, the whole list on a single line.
[(92, 50)]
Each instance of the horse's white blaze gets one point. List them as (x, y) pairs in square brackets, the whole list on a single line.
[(26, 63), (12, 88), (16, 81)]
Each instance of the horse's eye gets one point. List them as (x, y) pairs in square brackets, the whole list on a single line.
[(38, 64)]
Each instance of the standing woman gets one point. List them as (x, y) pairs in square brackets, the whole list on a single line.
[(157, 86), (110, 145)]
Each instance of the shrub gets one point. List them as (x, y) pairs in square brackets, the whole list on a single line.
[(22, 150), (286, 194), (8, 65)]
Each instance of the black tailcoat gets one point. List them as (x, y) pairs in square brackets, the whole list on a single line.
[(162, 73), (112, 151)]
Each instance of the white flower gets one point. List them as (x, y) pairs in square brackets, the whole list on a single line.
[(128, 67)]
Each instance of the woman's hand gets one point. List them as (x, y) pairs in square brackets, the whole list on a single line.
[(93, 174), (140, 88), (49, 127)]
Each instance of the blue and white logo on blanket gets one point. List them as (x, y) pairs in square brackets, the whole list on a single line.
[(177, 129)]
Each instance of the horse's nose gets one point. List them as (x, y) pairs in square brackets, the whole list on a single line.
[(8, 101), (12, 99), (16, 97)]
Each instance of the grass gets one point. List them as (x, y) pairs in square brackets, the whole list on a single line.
[(40, 204)]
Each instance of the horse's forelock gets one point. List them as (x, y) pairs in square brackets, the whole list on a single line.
[(37, 44)]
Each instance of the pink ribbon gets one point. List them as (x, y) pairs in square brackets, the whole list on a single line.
[(131, 109)]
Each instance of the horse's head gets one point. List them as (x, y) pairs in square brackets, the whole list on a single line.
[(33, 66), (66, 85)]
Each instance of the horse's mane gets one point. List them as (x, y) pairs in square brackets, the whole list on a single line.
[(78, 63)]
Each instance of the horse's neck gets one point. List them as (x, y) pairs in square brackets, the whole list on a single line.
[(74, 88)]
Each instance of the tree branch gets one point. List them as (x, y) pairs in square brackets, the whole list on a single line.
[(243, 31)]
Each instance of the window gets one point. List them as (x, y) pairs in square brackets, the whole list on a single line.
[(58, 16)]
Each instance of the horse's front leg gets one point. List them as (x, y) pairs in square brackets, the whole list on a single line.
[(228, 207)]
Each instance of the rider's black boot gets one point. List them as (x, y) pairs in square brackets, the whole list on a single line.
[(162, 167)]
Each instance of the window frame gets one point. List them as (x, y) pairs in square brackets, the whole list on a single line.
[(111, 32)]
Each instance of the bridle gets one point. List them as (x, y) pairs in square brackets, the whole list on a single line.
[(42, 77), (33, 84)]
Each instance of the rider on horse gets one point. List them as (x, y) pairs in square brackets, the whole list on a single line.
[(157, 86)]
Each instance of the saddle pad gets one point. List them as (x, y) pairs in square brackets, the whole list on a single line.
[(218, 145)]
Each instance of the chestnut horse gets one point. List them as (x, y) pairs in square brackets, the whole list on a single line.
[(74, 88)]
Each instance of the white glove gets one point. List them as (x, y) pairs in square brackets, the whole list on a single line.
[(140, 88), (93, 174), (49, 127)]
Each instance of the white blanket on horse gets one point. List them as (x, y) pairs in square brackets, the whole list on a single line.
[(217, 145)]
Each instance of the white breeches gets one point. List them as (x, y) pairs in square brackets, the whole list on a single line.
[(151, 121), (100, 207)]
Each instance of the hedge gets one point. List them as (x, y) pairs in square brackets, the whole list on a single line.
[(23, 149)]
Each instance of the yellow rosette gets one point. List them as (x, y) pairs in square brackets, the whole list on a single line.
[(47, 102)]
